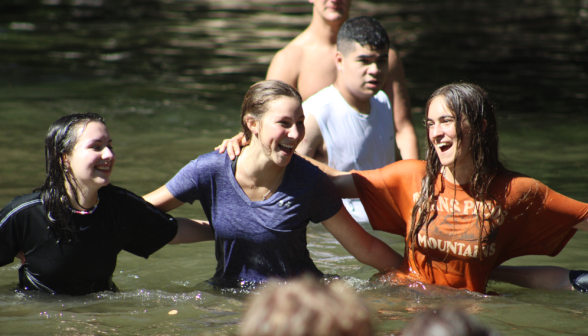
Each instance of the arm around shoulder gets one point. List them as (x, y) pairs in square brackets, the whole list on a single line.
[(192, 231), (162, 199)]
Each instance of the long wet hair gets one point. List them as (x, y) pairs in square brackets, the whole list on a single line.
[(60, 141), (257, 98), (474, 114)]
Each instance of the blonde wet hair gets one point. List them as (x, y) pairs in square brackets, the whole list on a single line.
[(306, 307)]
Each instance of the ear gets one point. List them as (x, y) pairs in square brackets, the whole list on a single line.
[(485, 122), (339, 59), (65, 161), (252, 124)]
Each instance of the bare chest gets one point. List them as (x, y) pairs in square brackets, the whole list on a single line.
[(317, 71)]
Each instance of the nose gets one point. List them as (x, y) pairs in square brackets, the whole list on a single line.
[(107, 154), (296, 131), (374, 69), (435, 130)]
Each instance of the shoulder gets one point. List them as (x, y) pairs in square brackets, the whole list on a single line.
[(407, 170), (382, 98), (320, 101), (285, 64), (305, 170), (20, 204), (407, 167)]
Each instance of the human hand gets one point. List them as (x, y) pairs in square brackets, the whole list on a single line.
[(233, 145), (20, 255)]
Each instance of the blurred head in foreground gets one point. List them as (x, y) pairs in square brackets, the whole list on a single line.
[(447, 322), (305, 307)]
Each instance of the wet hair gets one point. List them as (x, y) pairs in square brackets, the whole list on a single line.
[(61, 140), (447, 322), (474, 114), (259, 95), (364, 30), (304, 307)]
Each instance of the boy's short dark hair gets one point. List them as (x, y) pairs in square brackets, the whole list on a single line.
[(364, 30)]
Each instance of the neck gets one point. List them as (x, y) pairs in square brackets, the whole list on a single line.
[(361, 106), (86, 199), (259, 165), (324, 30), (458, 175)]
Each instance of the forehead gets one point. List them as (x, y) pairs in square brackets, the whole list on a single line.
[(438, 108), (366, 50), (284, 107), (92, 131)]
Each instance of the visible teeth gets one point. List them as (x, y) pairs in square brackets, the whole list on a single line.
[(287, 146), (103, 168), (443, 144)]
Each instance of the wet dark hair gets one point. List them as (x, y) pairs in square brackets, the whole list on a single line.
[(474, 114), (61, 140), (364, 30), (259, 95)]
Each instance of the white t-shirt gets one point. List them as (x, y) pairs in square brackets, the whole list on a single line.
[(354, 140)]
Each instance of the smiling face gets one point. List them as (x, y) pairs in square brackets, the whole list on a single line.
[(362, 71), (280, 130), (331, 10), (442, 131), (92, 158)]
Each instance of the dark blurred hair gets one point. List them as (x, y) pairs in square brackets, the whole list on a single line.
[(306, 307), (474, 114), (364, 30), (447, 322), (259, 95), (61, 140)]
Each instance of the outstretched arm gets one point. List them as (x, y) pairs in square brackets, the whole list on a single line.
[(342, 180), (162, 199), (537, 277), (363, 246), (192, 231), (395, 88)]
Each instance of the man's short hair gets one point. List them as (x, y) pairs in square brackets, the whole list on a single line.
[(364, 30)]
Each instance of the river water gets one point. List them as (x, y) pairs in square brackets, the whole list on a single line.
[(169, 77)]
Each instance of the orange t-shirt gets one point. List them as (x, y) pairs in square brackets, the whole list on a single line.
[(531, 219)]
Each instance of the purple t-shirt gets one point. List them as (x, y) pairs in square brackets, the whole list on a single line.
[(258, 240)]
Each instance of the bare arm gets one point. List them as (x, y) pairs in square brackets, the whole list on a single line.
[(395, 88), (162, 199), (537, 277), (363, 246), (312, 145), (192, 231), (285, 66), (342, 180)]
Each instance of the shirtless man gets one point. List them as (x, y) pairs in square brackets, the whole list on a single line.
[(308, 64)]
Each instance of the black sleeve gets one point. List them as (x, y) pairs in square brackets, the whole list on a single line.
[(145, 229), (9, 241)]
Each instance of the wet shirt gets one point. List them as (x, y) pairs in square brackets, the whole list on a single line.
[(530, 219), (122, 221), (257, 240)]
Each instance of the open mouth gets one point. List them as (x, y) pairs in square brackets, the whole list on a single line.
[(444, 146), (288, 149), (105, 169)]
